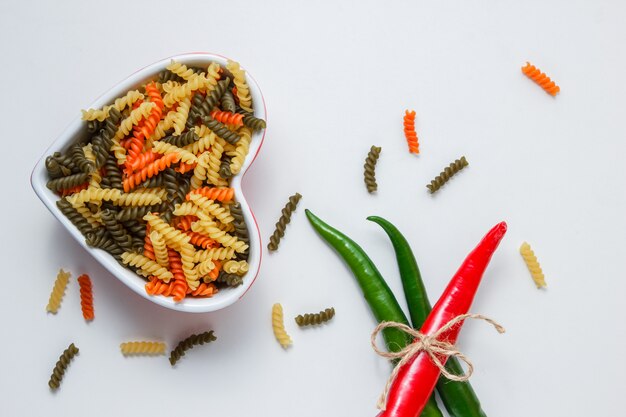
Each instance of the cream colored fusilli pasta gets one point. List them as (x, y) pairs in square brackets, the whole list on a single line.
[(93, 195), (236, 267), (120, 104), (139, 199), (243, 91), (173, 238), (238, 155), (278, 325), (147, 266), (200, 171), (165, 148), (141, 112), (216, 254), (180, 117), (160, 249), (210, 207)]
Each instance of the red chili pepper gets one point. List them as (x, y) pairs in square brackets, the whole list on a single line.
[(416, 380)]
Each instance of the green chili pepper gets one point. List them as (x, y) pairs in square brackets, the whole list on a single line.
[(458, 397), (377, 293)]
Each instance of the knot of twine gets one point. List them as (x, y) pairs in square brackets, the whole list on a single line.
[(428, 344)]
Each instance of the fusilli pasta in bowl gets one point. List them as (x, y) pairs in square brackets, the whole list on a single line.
[(148, 181)]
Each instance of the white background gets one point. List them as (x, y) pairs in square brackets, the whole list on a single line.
[(336, 79)]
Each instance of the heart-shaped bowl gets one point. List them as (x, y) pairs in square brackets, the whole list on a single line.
[(77, 129)]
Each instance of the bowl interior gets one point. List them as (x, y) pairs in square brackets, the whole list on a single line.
[(78, 129)]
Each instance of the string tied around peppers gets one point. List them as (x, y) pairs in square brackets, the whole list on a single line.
[(430, 345)]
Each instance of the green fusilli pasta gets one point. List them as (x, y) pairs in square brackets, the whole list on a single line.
[(190, 342), (316, 318), (253, 123), (229, 280), (71, 181), (446, 174), (370, 167), (74, 216), (61, 366), (283, 221), (185, 139), (220, 130), (116, 230), (228, 102)]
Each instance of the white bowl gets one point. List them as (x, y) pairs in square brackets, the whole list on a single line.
[(39, 178)]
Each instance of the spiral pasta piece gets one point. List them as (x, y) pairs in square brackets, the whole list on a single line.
[(227, 118), (223, 194), (147, 266), (200, 171), (228, 102), (149, 171), (183, 140), (141, 112), (446, 174), (316, 318), (204, 268), (142, 348), (220, 130), (80, 160), (182, 113), (533, 265), (541, 79), (238, 155), (187, 253), (370, 168), (178, 287), (86, 297), (253, 122), (74, 216), (58, 291), (229, 280), (227, 240), (214, 164), (203, 290), (190, 342), (283, 221), (162, 128), (239, 79), (139, 199), (160, 249), (61, 366), (236, 267), (157, 287), (211, 208), (117, 231), (278, 326), (70, 181), (119, 104), (94, 221), (198, 239), (180, 70), (174, 238), (409, 132), (204, 143), (167, 149), (93, 195), (214, 254), (194, 83)]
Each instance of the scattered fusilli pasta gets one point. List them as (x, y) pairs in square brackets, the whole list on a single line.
[(533, 265), (446, 174), (278, 325), (370, 168), (283, 221)]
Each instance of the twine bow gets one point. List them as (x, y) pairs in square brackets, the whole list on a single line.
[(428, 344)]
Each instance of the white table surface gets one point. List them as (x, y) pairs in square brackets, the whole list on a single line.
[(336, 80)]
